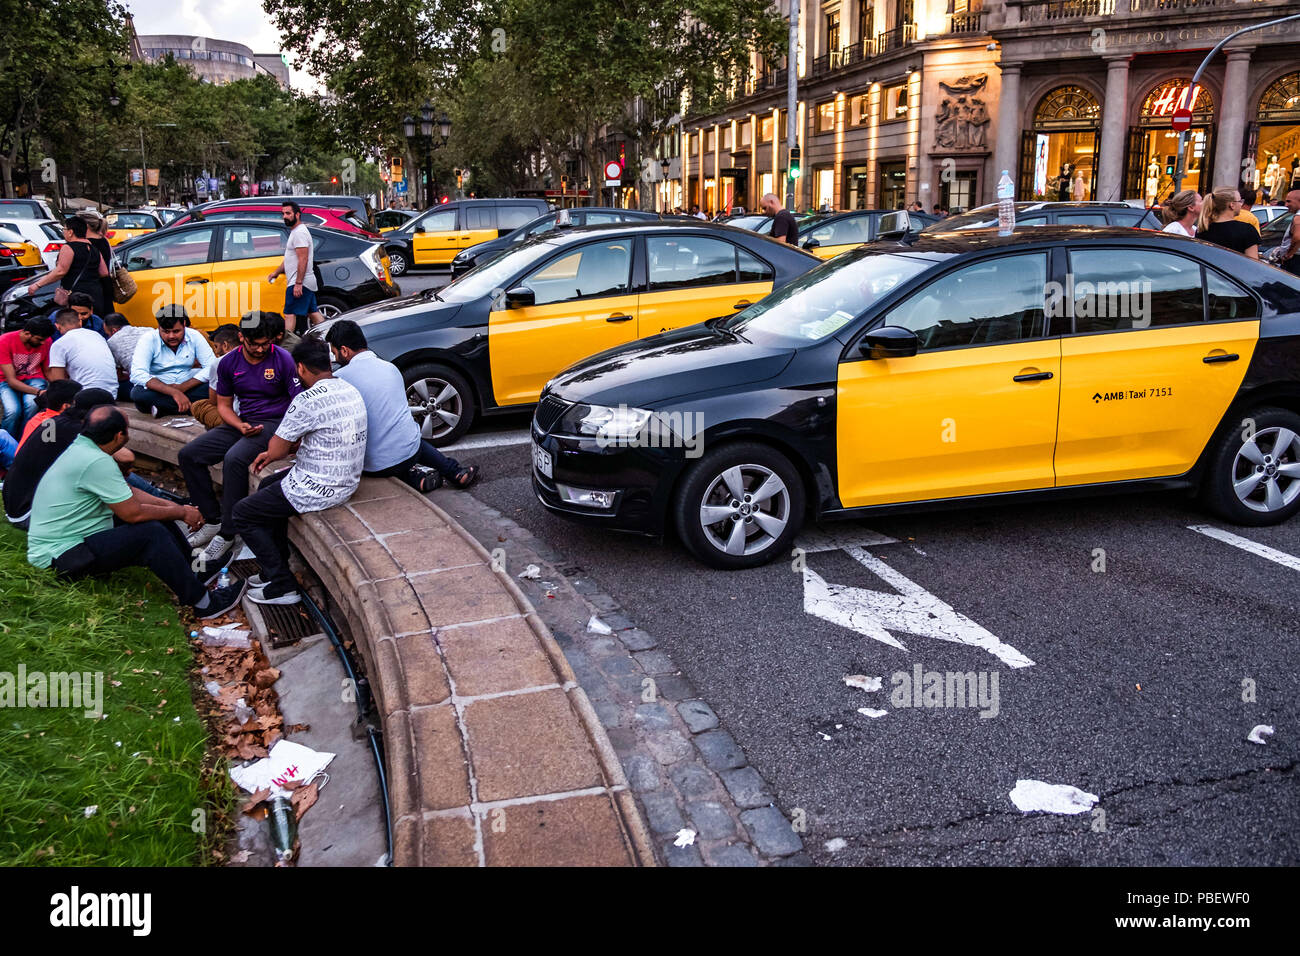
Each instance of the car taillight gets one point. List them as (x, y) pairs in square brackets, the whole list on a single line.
[(7, 253), (54, 247), (111, 233)]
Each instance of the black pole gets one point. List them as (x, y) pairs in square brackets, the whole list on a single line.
[(428, 172)]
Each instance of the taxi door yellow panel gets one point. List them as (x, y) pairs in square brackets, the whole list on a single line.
[(1142, 403), (527, 347), (435, 248), (946, 424), (238, 286), (830, 252), (170, 285), (472, 237), (674, 308)]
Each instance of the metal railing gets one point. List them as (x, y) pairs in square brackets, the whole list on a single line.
[(1081, 9), (900, 36), (969, 22)]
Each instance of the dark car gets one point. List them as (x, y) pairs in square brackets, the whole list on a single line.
[(1275, 233), (1054, 214), (217, 270), (827, 235), (435, 236), (964, 369), (475, 255), (490, 340)]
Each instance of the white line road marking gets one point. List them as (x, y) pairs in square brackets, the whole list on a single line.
[(491, 440), (814, 539), (1254, 547), (913, 610)]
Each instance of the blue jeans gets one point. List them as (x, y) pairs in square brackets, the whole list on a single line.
[(8, 445), (18, 406)]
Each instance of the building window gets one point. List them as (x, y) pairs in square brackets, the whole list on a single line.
[(709, 140), (893, 105), (784, 132), (765, 124), (826, 117), (860, 110), (764, 183), (866, 20), (824, 189), (832, 32), (726, 137), (959, 192), (746, 133)]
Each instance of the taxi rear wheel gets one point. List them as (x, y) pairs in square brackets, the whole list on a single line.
[(1254, 476), (330, 308), (397, 261), (740, 506), (440, 400)]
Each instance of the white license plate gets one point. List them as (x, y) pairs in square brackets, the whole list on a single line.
[(542, 461)]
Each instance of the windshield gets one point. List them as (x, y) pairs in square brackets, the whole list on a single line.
[(1278, 227), (821, 302), (494, 274)]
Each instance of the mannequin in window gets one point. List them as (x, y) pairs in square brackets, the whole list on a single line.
[(1272, 177), (1153, 181)]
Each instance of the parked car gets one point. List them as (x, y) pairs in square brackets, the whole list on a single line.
[(45, 234), (22, 259), (1266, 214), (490, 340), (434, 237), (25, 209), (387, 219), (477, 254), (217, 270), (828, 399), (330, 217), (1053, 214), (169, 214), (357, 205), (123, 224), (826, 236), (1274, 234)]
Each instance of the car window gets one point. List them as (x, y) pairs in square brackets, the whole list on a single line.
[(439, 220), (478, 217), (1081, 218), (171, 249), (678, 262), (751, 268), (129, 220), (1126, 217), (251, 242), (598, 269), (1115, 290), (10, 235), (1278, 228), (849, 231), (51, 230), (1227, 300), (601, 218), (986, 303), (545, 224), (352, 219), (20, 210), (512, 217), (263, 215)]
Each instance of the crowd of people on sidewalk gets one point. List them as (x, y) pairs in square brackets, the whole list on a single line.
[(1223, 216)]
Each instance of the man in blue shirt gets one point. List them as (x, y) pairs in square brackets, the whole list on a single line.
[(394, 447), (165, 367), (84, 306)]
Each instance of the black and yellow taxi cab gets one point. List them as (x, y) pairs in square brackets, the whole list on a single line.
[(827, 235), (435, 236), (123, 224), (963, 369), (489, 341)]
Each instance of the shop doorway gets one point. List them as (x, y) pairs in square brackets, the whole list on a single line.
[(1153, 146), (893, 185), (1061, 149), (1274, 140), (855, 187)]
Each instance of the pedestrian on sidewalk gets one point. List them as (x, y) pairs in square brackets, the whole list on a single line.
[(78, 268), (299, 271), (24, 362), (394, 447), (1289, 252), (261, 376), (326, 423), (1219, 224), (80, 353), (783, 225), (86, 520), (165, 367), (1180, 213)]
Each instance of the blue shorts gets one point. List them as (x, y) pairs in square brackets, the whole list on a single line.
[(304, 304)]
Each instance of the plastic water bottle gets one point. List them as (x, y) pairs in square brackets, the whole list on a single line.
[(1006, 205), (225, 580)]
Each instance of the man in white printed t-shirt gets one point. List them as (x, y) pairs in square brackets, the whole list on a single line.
[(327, 424)]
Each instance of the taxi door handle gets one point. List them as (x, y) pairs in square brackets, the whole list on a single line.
[(195, 281), (618, 318), (742, 304), (1031, 377), (1221, 357)]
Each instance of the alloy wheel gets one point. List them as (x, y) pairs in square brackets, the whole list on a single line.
[(328, 310), (436, 405), (745, 509), (1266, 470), (396, 263)]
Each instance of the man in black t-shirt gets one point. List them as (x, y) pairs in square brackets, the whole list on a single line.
[(783, 224)]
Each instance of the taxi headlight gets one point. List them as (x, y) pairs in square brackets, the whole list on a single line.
[(612, 425)]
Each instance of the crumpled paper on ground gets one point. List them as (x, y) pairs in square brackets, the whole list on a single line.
[(1034, 795), (287, 763)]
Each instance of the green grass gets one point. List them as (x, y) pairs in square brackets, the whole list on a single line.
[(145, 764)]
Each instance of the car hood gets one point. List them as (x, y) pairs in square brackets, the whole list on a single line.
[(479, 248), (398, 316), (668, 366)]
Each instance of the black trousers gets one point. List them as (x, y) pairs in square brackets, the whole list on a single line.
[(262, 520), (145, 398), (426, 455), (223, 444), (156, 545)]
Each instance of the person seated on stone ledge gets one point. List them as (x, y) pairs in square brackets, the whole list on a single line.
[(225, 338), (327, 425), (395, 447), (87, 521), (55, 400), (165, 365), (122, 340)]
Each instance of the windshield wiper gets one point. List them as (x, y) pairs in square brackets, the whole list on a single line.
[(432, 294)]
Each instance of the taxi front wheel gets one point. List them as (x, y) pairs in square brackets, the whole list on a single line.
[(440, 401), (740, 506), (1254, 474)]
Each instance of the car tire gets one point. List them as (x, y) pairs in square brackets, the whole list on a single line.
[(396, 261), (1247, 482), (330, 307), (441, 401), (725, 481)]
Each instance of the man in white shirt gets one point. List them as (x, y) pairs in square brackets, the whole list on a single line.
[(327, 425), (165, 366), (299, 270), (81, 354)]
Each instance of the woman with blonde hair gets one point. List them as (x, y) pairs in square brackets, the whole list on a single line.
[(1219, 223), (1180, 213)]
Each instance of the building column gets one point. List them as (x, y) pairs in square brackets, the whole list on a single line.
[(1114, 122), (1233, 111), (1006, 152)]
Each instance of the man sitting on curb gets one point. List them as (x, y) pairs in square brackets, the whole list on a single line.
[(225, 339), (73, 529), (262, 377), (24, 361), (81, 354), (327, 422), (164, 366), (123, 337), (55, 400), (84, 306), (394, 447)]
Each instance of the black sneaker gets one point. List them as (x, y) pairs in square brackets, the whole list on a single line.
[(220, 601)]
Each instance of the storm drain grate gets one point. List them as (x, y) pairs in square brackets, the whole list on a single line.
[(285, 623)]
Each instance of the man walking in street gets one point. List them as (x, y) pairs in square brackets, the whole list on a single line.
[(1290, 254), (262, 377), (394, 447), (299, 271), (327, 425), (165, 367), (783, 225)]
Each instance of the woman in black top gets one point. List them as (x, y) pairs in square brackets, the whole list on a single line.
[(95, 233), (79, 267), (1219, 223)]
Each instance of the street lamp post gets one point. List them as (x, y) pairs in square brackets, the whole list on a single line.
[(665, 164), (426, 135)]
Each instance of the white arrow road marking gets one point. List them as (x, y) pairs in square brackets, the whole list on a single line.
[(913, 610), (815, 539), (1254, 547)]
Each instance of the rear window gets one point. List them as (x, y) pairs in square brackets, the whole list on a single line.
[(130, 220), (332, 244), (513, 216), (19, 210)]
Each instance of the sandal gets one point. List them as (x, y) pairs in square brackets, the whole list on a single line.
[(466, 477), (430, 480)]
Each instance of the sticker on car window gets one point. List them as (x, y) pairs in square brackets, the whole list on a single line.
[(827, 326)]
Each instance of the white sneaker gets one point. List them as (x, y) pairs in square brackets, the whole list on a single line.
[(256, 581), (216, 551), (200, 538), (259, 596)]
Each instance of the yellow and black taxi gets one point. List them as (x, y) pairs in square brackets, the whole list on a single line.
[(826, 236), (489, 341), (435, 236), (964, 369), (15, 247), (123, 224)]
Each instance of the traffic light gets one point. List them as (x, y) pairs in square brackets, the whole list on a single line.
[(796, 155), (398, 174), (460, 178), (334, 180)]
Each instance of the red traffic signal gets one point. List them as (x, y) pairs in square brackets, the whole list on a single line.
[(334, 180)]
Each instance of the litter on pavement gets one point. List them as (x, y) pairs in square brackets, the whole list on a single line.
[(685, 837), (287, 763), (597, 626), (863, 682), (1034, 795), (531, 573), (1257, 735)]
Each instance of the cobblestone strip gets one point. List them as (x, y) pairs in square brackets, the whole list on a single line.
[(685, 768)]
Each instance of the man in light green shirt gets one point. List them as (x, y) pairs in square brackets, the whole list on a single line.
[(74, 531)]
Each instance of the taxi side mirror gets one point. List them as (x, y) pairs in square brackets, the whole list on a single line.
[(811, 244), (417, 229), (889, 342), (520, 297)]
